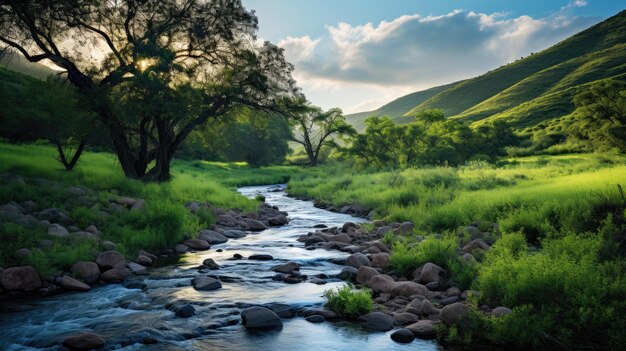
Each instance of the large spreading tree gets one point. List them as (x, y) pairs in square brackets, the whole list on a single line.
[(153, 70)]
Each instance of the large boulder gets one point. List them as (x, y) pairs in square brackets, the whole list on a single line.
[(233, 234), (381, 283), (286, 268), (210, 264), (451, 314), (255, 225), (137, 269), (424, 329), (57, 230), (23, 278), (110, 259), (144, 260), (380, 260), (404, 318), (257, 317), (476, 244), (212, 237), (198, 244), (377, 321), (429, 273), (85, 341), (70, 283), (408, 288), (205, 283), (403, 336), (115, 275), (348, 273), (365, 273), (357, 260), (87, 271), (278, 220), (347, 226), (422, 307)]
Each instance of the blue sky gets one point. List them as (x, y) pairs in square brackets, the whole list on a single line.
[(360, 54)]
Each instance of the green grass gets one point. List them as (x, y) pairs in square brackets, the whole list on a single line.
[(348, 302), (164, 222)]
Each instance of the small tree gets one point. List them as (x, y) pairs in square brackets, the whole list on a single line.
[(316, 129)]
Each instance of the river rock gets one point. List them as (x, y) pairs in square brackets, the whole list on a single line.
[(233, 234), (286, 268), (316, 318), (137, 269), (92, 229), (70, 283), (57, 230), (258, 317), (212, 237), (430, 272), (380, 260), (453, 291), (403, 336), (404, 318), (383, 230), (408, 288), (501, 311), (278, 220), (205, 283), (424, 329), (115, 275), (210, 264), (381, 283), (282, 310), (87, 271), (452, 313), (254, 224), (405, 228), (24, 278), (365, 273), (144, 260), (348, 273), (110, 259), (357, 260), (85, 341), (180, 248), (347, 226), (198, 244), (261, 257), (185, 311), (377, 321), (422, 307)]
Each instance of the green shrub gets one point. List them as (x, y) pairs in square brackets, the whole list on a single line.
[(348, 302)]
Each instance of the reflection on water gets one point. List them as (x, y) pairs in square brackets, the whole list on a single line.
[(133, 319)]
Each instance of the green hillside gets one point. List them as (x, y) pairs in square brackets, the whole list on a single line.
[(16, 62), (546, 78)]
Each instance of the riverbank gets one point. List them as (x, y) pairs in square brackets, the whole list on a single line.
[(551, 241)]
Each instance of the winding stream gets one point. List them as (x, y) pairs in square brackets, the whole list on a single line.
[(139, 319)]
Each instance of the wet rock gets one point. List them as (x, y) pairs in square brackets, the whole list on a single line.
[(110, 259), (347, 226), (260, 318), (254, 224), (210, 264), (348, 273), (287, 267), (212, 237), (24, 278), (316, 318), (293, 279), (144, 260), (70, 283), (87, 271), (137, 269), (181, 249), (135, 285), (377, 321), (424, 329), (314, 240), (115, 275), (237, 256), (205, 283), (403, 336), (357, 260), (381, 283), (404, 318), (317, 281), (278, 220), (452, 313), (476, 244), (185, 311), (501, 311), (197, 244), (85, 341), (320, 226), (261, 257), (282, 310), (340, 238), (364, 274), (380, 260), (234, 234), (58, 231)]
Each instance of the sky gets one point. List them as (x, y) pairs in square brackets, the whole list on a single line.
[(361, 54)]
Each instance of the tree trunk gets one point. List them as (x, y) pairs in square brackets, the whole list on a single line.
[(63, 158), (161, 170)]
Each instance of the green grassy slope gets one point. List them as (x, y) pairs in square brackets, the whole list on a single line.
[(16, 62), (592, 54), (358, 119)]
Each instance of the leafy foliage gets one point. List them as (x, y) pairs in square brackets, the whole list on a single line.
[(348, 302)]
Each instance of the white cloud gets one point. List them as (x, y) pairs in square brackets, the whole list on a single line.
[(420, 51)]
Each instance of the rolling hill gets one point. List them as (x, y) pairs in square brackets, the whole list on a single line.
[(537, 88), (16, 62)]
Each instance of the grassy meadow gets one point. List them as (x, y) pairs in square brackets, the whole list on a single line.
[(164, 223)]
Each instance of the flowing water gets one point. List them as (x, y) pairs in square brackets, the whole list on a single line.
[(129, 318)]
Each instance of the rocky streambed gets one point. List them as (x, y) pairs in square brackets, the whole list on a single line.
[(258, 291)]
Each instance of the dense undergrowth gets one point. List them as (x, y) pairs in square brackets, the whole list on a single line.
[(558, 253), (164, 222)]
